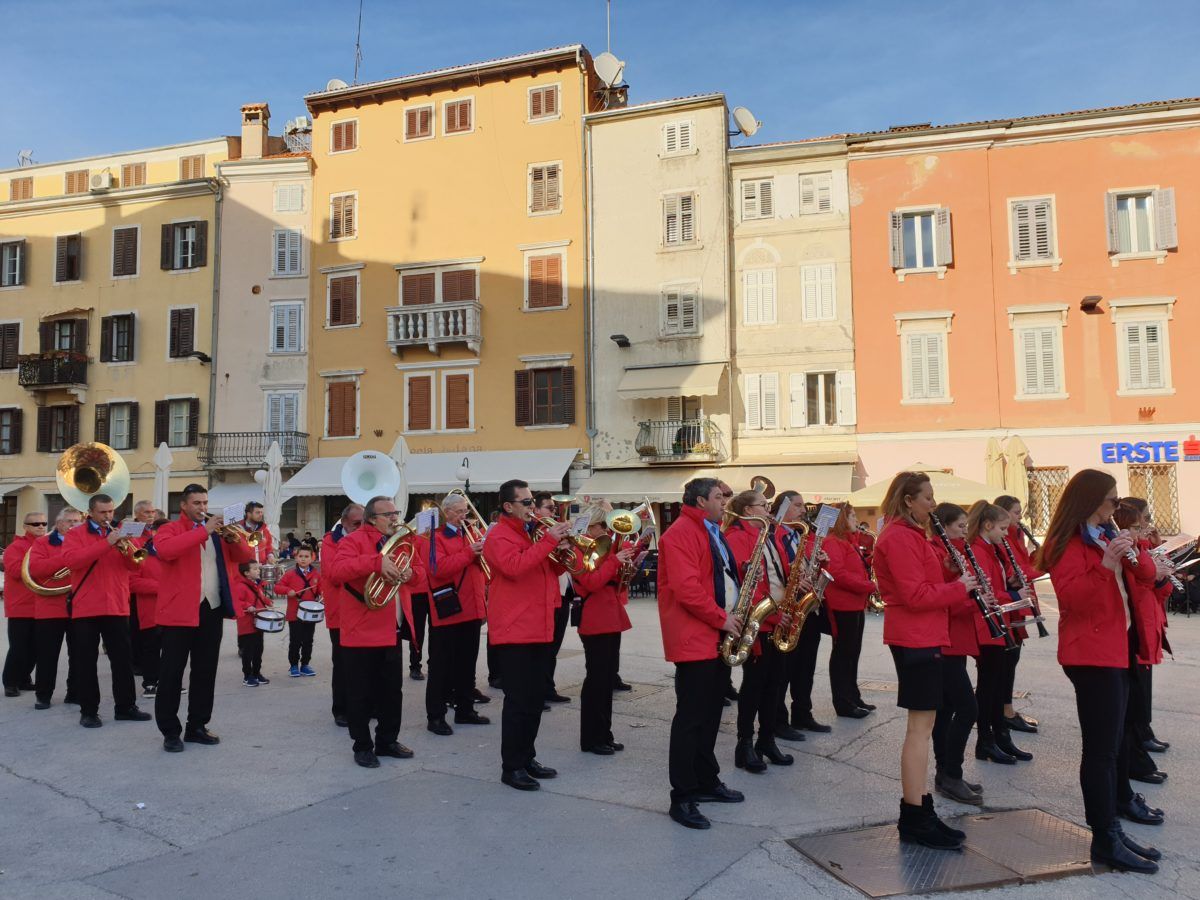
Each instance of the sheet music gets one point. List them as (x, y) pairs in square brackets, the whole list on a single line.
[(826, 518), (132, 529), (234, 512)]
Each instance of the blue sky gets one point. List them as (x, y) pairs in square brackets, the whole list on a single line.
[(125, 74)]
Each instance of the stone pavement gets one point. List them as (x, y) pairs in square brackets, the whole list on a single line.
[(280, 810)]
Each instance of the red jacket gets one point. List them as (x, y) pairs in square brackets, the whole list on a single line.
[(456, 565), (266, 543), (105, 592), (357, 558), (524, 592), (420, 580), (334, 595), (916, 596), (963, 639), (294, 581), (19, 601), (603, 604), (247, 597), (851, 586), (1016, 540), (688, 612), (741, 538), (985, 553), (46, 558), (144, 584), (178, 546), (1150, 607)]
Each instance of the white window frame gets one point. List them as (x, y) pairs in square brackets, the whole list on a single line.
[(817, 268), (172, 404), (529, 251), (1113, 197), (281, 190), (761, 314), (1035, 318), (357, 275), (557, 210), (272, 394), (179, 231), (19, 273), (798, 408), (938, 268), (930, 322), (357, 217), (442, 398), (434, 399), (750, 196), (446, 104), (681, 244), (814, 208), (334, 124), (276, 272), (535, 120), (754, 385), (690, 150), (195, 333), (681, 289), (112, 316), (280, 307), (433, 122), (1157, 311), (1054, 260), (112, 435), (331, 378)]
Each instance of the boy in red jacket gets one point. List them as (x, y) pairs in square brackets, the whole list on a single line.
[(301, 583), (248, 598)]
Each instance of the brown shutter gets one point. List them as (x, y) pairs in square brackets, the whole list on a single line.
[(343, 306), (420, 407), (336, 141), (524, 397), (165, 257), (45, 428), (417, 290), (410, 123), (173, 338), (342, 409), (162, 421), (187, 331), (18, 416), (72, 414), (133, 425), (458, 286), (60, 258), (102, 423), (458, 401), (45, 337), (551, 101), (132, 337), (568, 394), (201, 244), (545, 281), (193, 422), (106, 342), (537, 277), (125, 251), (79, 334), (10, 336)]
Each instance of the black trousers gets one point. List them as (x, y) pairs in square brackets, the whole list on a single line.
[(374, 687), (801, 669), (420, 611), (562, 616), (990, 668), (453, 650), (1011, 658), (952, 727), (493, 665), (135, 636), (692, 760), (1137, 720), (300, 638), (50, 634), (151, 649), (22, 649), (1101, 695), (523, 679), (338, 677), (1145, 682), (764, 678), (601, 653), (202, 645), (250, 649), (843, 659), (617, 677), (85, 647)]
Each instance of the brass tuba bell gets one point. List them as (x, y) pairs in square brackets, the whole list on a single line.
[(85, 470)]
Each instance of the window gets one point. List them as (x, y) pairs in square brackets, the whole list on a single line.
[(418, 123), (417, 288), (758, 297), (117, 425), (12, 263), (177, 422), (58, 428), (10, 431), (343, 216), (418, 403), (545, 396), (545, 193), (76, 182), (21, 188), (68, 258), (543, 102), (342, 409), (679, 219), (184, 245), (133, 174), (181, 336), (343, 301), (287, 258), (544, 288), (343, 136), (459, 116), (822, 398), (191, 167), (289, 198), (1046, 486), (925, 365), (817, 292), (1032, 223), (681, 310), (1157, 485), (1141, 221), (285, 327), (10, 344), (63, 334), (1038, 355), (116, 338), (921, 240), (1142, 344), (762, 401), (677, 138), (757, 202), (283, 411), (816, 193), (456, 399), (125, 252)]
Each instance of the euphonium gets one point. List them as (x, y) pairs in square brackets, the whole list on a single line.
[(378, 592), (474, 526), (735, 648), (41, 590)]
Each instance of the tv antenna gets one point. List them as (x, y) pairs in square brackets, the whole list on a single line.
[(747, 125), (358, 43), (608, 25), (25, 158)]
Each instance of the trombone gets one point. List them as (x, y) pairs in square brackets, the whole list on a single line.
[(474, 526)]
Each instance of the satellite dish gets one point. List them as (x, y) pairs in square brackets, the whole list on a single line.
[(746, 123), (25, 158), (335, 84), (609, 69)]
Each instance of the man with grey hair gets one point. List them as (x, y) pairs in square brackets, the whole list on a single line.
[(145, 513), (332, 594), (51, 612), (19, 604)]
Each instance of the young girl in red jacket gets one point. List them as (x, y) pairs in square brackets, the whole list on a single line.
[(1094, 581), (248, 598), (1014, 720), (846, 603), (916, 626)]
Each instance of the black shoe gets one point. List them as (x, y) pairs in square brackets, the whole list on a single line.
[(366, 759), (927, 805), (1144, 852), (536, 770), (556, 697), (1005, 745), (262, 680), (731, 693), (916, 827), (173, 744), (520, 780), (990, 752), (1019, 723), (746, 757), (599, 749), (439, 726), (480, 697), (616, 745), (622, 686), (471, 718), (26, 686), (687, 815), (858, 712), (1136, 810), (788, 733), (70, 700), (772, 754), (1155, 777), (958, 790), (1109, 848), (545, 706), (132, 714), (90, 721), (41, 704), (341, 721), (1153, 810), (808, 723), (11, 692), (1155, 746), (201, 736), (722, 793), (494, 681), (416, 674), (395, 750), (869, 707)]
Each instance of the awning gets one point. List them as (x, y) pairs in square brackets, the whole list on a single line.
[(221, 494), (947, 488), (321, 477), (816, 482), (665, 485), (6, 489), (698, 380)]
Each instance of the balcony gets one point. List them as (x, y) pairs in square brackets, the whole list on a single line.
[(50, 371), (433, 324), (246, 449), (679, 440)]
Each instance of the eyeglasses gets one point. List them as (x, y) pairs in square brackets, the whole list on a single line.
[(36, 524), (394, 514), (528, 501)]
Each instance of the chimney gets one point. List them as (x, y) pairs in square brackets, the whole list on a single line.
[(256, 118)]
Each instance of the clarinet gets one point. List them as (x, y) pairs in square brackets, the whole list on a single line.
[(1037, 608), (991, 617), (1033, 542)]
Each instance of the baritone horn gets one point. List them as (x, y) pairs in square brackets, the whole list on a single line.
[(41, 590), (85, 470), (366, 475)]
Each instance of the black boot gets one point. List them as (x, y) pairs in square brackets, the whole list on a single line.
[(1109, 848), (927, 805), (1004, 744), (746, 757), (771, 752), (916, 827), (989, 751)]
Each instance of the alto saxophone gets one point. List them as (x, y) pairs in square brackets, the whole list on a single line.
[(735, 648), (793, 612)]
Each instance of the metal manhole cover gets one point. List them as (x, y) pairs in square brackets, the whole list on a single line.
[(1030, 842)]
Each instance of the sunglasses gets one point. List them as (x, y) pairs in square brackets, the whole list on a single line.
[(528, 501), (36, 524)]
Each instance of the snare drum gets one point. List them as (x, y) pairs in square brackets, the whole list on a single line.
[(268, 575), (310, 611), (269, 620)]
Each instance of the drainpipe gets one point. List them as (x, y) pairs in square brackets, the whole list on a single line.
[(588, 299), (216, 305)]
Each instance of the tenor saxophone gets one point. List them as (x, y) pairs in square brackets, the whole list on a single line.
[(735, 648)]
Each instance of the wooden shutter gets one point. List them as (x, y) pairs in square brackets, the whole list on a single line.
[(933, 366), (1166, 235), (847, 398), (458, 286), (60, 258), (568, 395), (45, 337), (102, 423), (770, 400), (45, 428), (751, 297), (749, 199), (174, 330), (458, 116), (917, 386), (1110, 222), (896, 238), (345, 136), (1043, 229), (287, 251), (79, 335), (343, 409), (187, 331), (291, 327), (1022, 231), (125, 241), (191, 167), (417, 290), (71, 413), (20, 188), (15, 430), (343, 300), (687, 218), (133, 425), (162, 421), (77, 182), (201, 255), (671, 220), (133, 175), (545, 281), (10, 336), (106, 340), (754, 402), (193, 422), (458, 401), (944, 253), (798, 400), (420, 403), (166, 258), (523, 399), (757, 199), (816, 291)]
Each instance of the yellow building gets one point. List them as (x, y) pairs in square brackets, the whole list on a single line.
[(106, 293), (448, 272)]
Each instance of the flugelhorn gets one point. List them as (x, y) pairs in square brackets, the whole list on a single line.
[(232, 533)]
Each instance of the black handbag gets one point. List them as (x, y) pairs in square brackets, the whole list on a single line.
[(576, 611), (446, 601)]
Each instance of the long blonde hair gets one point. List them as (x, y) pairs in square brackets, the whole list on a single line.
[(903, 486)]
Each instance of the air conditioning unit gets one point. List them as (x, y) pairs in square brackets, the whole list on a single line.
[(102, 181)]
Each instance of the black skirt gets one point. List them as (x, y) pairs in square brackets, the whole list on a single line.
[(919, 672)]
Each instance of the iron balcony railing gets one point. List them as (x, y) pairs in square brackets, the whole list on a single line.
[(247, 449), (676, 440), (51, 370), (432, 324)]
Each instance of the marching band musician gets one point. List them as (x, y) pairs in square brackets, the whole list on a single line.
[(302, 582), (412, 627), (372, 655), (544, 507), (522, 599), (787, 545), (255, 523), (916, 627), (1013, 720), (458, 606), (248, 599), (20, 608), (193, 600), (350, 521), (144, 583), (1097, 639), (100, 609), (145, 514), (846, 602), (50, 613), (697, 587)]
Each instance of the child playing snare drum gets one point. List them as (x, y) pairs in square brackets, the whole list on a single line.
[(248, 598)]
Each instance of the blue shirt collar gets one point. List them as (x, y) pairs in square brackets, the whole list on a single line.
[(56, 538), (94, 528)]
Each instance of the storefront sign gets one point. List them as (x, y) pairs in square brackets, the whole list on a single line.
[(1151, 451)]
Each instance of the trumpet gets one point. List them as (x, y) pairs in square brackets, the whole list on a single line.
[(474, 526), (232, 533), (128, 548), (567, 557)]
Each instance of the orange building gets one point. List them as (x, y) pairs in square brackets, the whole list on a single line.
[(1033, 279)]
